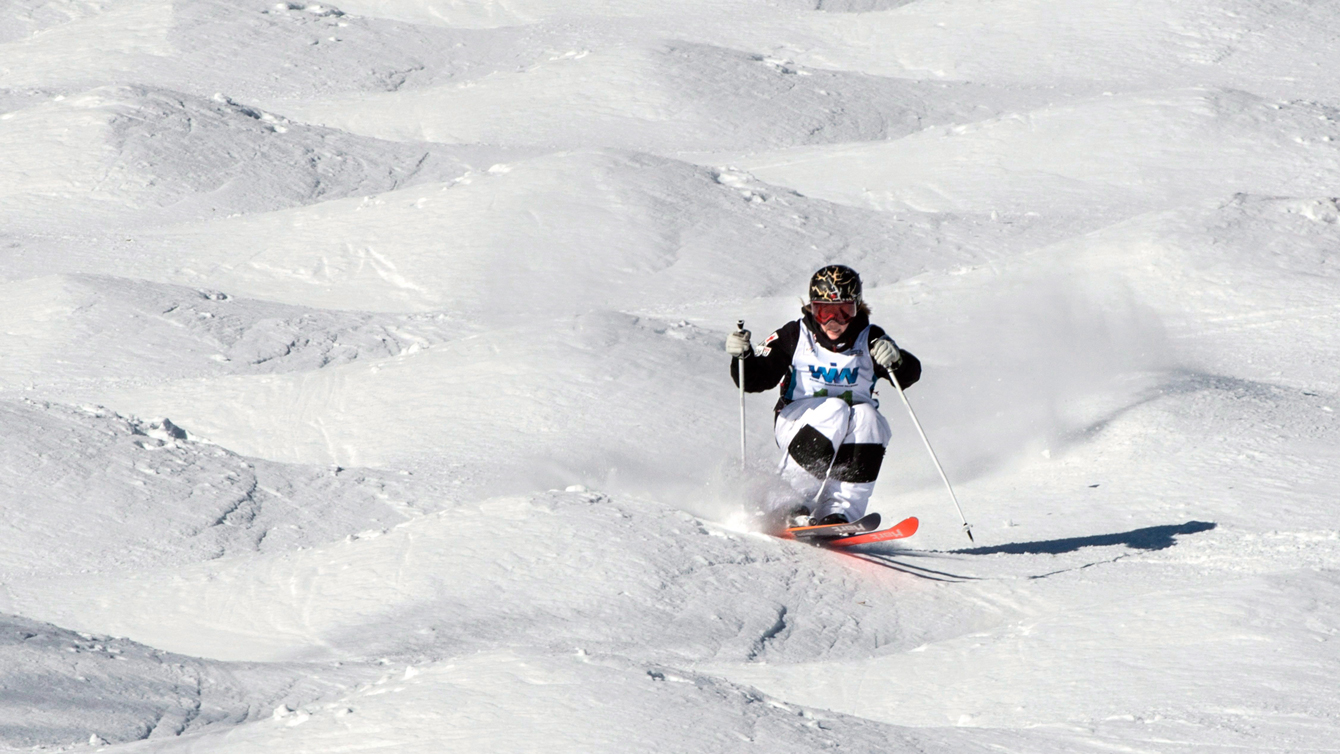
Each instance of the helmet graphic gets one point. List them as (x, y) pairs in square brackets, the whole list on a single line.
[(836, 282)]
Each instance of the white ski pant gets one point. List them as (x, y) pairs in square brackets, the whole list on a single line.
[(833, 446)]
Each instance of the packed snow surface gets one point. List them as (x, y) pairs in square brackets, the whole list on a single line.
[(362, 384)]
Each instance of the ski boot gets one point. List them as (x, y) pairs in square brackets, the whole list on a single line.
[(799, 516)]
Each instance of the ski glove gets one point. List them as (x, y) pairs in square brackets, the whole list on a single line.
[(738, 345), (885, 353)]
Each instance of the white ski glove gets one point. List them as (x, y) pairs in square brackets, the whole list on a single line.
[(885, 353), (738, 345)]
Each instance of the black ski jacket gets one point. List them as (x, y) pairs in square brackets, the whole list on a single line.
[(772, 364)]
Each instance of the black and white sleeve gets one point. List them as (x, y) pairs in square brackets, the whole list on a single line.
[(770, 362), (908, 370)]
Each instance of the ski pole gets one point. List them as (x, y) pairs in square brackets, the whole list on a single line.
[(967, 529), (740, 373)]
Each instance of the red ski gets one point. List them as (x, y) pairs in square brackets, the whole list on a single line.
[(903, 529)]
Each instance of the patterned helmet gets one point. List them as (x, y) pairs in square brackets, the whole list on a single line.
[(836, 282)]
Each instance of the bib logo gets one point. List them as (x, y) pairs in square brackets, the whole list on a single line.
[(834, 375)]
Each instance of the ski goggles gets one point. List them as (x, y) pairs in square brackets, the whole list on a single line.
[(841, 312)]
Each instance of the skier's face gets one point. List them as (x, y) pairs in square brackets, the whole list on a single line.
[(834, 329), (834, 316)]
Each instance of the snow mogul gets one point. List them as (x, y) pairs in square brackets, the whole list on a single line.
[(827, 418)]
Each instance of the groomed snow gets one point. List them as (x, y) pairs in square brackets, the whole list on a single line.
[(362, 384)]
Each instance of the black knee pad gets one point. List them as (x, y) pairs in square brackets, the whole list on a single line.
[(812, 451), (858, 462)]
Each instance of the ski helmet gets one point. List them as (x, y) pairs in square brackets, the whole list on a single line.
[(836, 282)]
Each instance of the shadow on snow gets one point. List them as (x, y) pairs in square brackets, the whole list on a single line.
[(1148, 538)]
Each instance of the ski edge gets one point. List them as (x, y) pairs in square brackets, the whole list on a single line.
[(867, 523)]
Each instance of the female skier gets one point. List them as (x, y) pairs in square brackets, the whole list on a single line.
[(827, 362)]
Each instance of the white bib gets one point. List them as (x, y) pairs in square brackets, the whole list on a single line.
[(819, 372)]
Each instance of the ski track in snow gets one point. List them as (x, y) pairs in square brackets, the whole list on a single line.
[(362, 384)]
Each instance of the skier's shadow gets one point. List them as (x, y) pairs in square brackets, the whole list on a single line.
[(1149, 538)]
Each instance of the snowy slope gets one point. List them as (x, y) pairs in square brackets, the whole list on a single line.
[(88, 492), (91, 689), (361, 368), (70, 330), (101, 155), (663, 98), (570, 232), (1112, 157)]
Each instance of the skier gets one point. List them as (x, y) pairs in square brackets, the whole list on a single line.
[(826, 419)]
